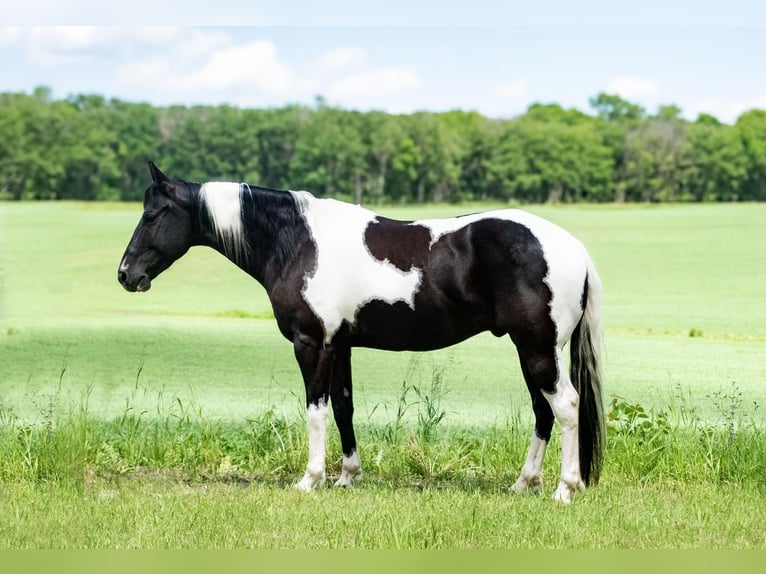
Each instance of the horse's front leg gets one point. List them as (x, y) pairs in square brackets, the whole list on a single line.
[(343, 411), (316, 367)]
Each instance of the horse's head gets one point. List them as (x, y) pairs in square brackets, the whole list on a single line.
[(164, 233)]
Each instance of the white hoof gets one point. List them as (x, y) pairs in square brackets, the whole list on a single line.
[(533, 485), (310, 482), (562, 495), (347, 479), (565, 491), (351, 471)]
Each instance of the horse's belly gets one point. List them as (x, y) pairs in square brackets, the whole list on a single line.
[(398, 327)]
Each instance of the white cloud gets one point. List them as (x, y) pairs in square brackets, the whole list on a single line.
[(251, 65), (725, 110), (252, 73), (73, 45), (153, 35), (635, 88), (153, 70), (167, 64), (10, 35), (66, 38), (197, 43), (370, 84), (514, 90), (342, 58)]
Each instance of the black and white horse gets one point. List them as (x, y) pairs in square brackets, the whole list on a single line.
[(340, 276)]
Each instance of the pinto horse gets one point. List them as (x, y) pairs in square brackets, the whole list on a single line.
[(340, 276)]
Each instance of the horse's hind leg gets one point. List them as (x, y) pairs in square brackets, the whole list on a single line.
[(530, 478), (343, 412), (549, 384), (565, 402)]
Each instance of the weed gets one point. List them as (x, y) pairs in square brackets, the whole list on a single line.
[(632, 420), (430, 411), (391, 432), (729, 406)]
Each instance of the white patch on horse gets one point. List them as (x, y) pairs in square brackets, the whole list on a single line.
[(223, 201), (316, 417), (530, 479), (564, 404), (347, 276), (565, 255)]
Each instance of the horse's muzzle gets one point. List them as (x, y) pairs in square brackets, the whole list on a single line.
[(140, 284)]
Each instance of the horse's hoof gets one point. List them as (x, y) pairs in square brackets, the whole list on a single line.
[(523, 486), (563, 494), (347, 480), (309, 483)]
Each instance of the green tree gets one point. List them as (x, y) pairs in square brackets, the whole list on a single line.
[(277, 135), (719, 163), (613, 108), (329, 153), (88, 147), (437, 157), (657, 162), (563, 163), (381, 135), (751, 127)]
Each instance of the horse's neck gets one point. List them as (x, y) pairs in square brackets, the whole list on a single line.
[(272, 231)]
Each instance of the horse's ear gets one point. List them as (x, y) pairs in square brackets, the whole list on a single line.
[(157, 175), (177, 191)]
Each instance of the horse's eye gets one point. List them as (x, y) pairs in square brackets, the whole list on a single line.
[(150, 216)]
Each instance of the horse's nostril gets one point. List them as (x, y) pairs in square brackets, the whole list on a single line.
[(122, 277)]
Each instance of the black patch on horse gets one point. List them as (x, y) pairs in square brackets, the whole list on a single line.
[(404, 246)]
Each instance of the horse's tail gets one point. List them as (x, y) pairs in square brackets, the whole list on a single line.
[(585, 370)]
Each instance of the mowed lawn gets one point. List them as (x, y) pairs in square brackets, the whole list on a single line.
[(685, 324)]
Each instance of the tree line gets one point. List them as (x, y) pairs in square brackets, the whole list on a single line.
[(88, 147)]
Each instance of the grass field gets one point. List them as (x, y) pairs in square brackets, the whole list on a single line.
[(128, 419)]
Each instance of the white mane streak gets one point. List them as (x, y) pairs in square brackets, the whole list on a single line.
[(223, 201)]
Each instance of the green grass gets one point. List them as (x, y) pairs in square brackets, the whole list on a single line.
[(153, 514), (182, 480), (174, 418)]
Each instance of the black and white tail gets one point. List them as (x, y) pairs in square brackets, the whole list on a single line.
[(585, 371)]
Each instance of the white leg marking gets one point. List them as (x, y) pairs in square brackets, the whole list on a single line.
[(316, 415), (531, 476), (352, 470), (564, 403)]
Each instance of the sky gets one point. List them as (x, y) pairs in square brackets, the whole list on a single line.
[(398, 56)]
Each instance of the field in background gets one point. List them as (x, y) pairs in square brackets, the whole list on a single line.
[(200, 355), (683, 313)]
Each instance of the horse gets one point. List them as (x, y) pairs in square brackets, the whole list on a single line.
[(340, 276)]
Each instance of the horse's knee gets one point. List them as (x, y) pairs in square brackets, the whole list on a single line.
[(565, 403)]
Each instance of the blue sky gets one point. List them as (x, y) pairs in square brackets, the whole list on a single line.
[(497, 57)]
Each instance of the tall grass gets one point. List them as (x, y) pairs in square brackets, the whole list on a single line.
[(174, 477), (72, 445)]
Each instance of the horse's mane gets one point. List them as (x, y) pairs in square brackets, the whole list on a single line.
[(236, 209)]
